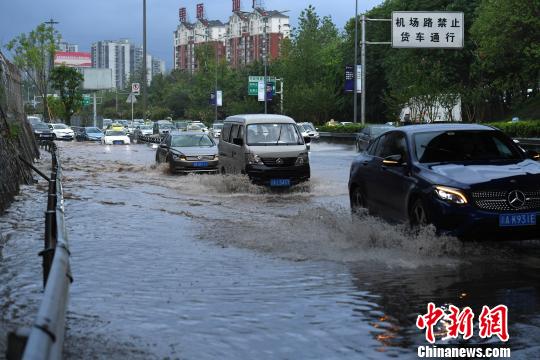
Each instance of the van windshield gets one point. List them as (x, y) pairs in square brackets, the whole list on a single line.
[(273, 135)]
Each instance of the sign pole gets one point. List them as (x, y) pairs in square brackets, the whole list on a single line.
[(265, 59), (95, 110), (282, 95), (363, 68), (132, 98)]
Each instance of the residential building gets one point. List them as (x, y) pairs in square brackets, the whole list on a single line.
[(246, 37), (67, 47)]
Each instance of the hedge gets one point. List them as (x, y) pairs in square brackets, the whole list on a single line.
[(520, 129)]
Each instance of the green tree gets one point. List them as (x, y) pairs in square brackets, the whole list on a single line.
[(68, 81), (33, 53)]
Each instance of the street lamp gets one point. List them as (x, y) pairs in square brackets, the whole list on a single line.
[(355, 105), (144, 82)]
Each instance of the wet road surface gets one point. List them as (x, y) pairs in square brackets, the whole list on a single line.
[(205, 267)]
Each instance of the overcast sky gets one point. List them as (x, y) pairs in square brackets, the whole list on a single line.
[(83, 22)]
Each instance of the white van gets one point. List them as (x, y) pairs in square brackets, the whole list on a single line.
[(270, 149)]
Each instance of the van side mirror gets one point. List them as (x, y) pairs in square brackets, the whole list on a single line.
[(307, 139), (238, 141)]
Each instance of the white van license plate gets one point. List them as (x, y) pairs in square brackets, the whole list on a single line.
[(280, 182)]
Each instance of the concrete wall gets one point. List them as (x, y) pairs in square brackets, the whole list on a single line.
[(16, 136)]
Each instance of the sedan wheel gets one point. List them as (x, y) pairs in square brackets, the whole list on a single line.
[(418, 215)]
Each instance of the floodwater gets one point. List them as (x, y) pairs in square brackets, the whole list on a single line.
[(210, 266)]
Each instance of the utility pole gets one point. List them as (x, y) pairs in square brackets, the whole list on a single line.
[(355, 97), (216, 84), (265, 60), (144, 69)]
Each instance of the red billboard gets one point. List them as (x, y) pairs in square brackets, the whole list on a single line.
[(73, 59)]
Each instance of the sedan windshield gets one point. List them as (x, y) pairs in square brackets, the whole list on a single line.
[(464, 146), (115, 133), (40, 126), (273, 134), (60, 126), (192, 140)]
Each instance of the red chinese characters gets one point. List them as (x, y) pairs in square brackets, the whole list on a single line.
[(494, 322), (429, 320), (461, 322)]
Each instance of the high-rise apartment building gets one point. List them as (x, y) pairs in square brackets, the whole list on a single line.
[(125, 59)]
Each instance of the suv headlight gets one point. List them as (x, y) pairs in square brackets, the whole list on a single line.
[(254, 159), (452, 195), (302, 159)]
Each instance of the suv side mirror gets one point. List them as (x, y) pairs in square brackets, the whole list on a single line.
[(163, 146), (393, 160), (238, 141), (307, 139)]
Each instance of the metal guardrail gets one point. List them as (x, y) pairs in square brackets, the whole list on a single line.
[(45, 340)]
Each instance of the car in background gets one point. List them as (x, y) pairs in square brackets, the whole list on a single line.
[(33, 120), (163, 127), (115, 137), (346, 123), (197, 127), (42, 131), (106, 123), (188, 152), (368, 134), (467, 180), (143, 130), (88, 134), (309, 130), (215, 131), (181, 125), (62, 131)]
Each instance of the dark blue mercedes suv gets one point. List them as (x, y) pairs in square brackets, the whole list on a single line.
[(470, 181)]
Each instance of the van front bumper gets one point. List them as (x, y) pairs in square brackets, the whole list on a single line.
[(262, 174)]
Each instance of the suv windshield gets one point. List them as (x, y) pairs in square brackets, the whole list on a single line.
[(273, 134), (464, 146), (40, 126), (191, 140)]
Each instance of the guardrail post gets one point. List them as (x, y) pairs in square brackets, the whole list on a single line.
[(50, 228)]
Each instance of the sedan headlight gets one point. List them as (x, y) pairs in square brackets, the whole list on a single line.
[(178, 157), (452, 195), (254, 159), (302, 159)]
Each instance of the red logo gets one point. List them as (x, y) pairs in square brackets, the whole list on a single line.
[(491, 322)]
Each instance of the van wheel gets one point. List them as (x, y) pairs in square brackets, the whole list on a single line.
[(358, 201), (418, 215)]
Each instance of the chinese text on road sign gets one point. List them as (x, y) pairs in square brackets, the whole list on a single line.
[(416, 29)]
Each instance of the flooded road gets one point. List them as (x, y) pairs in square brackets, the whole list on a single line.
[(205, 267)]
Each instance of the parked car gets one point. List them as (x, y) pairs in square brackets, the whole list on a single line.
[(465, 179), (42, 131), (216, 129), (62, 131), (88, 134), (189, 152), (115, 137), (309, 130), (197, 127), (270, 149), (367, 134), (162, 127)]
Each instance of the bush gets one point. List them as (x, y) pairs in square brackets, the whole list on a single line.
[(520, 129), (353, 128)]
